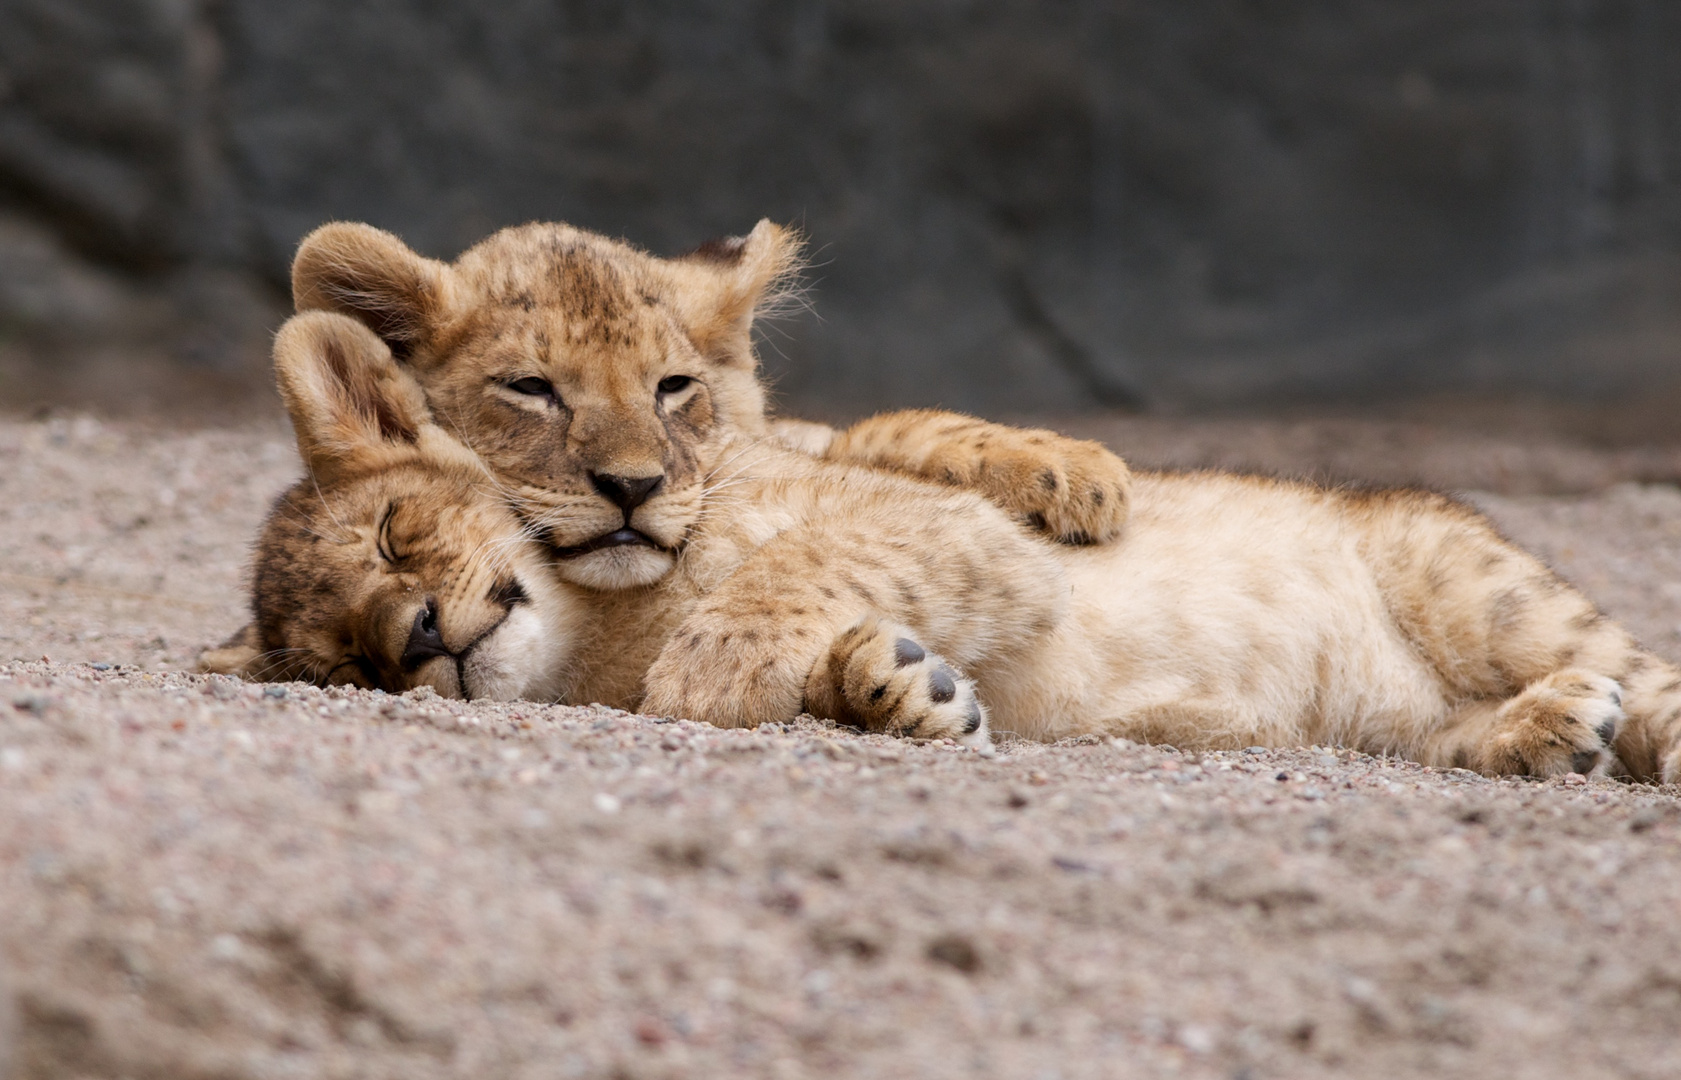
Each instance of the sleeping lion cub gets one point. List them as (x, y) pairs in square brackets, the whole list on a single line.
[(596, 380), (1234, 611)]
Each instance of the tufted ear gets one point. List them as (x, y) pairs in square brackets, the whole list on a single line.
[(366, 273), (722, 286), (351, 403)]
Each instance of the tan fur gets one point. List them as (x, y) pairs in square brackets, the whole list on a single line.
[(393, 529), (1069, 489), (1234, 611), (577, 366)]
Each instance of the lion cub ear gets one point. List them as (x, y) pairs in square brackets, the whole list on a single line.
[(234, 656), (369, 274), (721, 286), (349, 400)]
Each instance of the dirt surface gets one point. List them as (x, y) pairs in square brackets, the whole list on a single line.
[(201, 878)]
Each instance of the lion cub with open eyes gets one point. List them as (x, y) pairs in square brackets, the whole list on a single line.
[(1235, 611), (595, 380)]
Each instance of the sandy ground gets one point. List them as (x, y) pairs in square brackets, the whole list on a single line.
[(203, 879)]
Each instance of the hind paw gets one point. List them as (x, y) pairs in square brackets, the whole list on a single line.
[(1564, 723), (878, 677)]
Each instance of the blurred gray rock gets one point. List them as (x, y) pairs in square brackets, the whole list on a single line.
[(45, 288), (1013, 205)]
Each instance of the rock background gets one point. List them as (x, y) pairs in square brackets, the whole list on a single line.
[(1012, 205)]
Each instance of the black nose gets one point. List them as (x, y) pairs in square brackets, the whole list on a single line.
[(626, 492), (425, 640)]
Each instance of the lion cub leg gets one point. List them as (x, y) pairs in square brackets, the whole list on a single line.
[(1070, 489), (1565, 722), (878, 677)]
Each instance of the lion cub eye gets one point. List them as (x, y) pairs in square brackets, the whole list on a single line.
[(532, 386), (387, 550), (672, 384)]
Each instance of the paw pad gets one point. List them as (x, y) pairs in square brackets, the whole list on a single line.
[(942, 687), (878, 677), (1564, 722)]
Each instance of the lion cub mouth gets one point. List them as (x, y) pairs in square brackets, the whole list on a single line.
[(618, 538)]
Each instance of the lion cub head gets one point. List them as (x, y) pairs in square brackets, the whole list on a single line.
[(591, 377), (395, 563)]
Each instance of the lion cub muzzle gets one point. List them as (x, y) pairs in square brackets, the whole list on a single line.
[(627, 493), (638, 549)]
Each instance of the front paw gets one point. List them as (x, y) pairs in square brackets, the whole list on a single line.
[(726, 671), (1075, 491), (877, 677)]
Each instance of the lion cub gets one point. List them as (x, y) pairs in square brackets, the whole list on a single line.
[(1235, 611), (597, 380)]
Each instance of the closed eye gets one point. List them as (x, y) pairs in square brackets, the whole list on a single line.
[(531, 386), (387, 550)]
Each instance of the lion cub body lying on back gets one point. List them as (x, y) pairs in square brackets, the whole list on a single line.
[(1233, 612)]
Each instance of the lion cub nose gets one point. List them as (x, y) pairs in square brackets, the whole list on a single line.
[(425, 639), (626, 492)]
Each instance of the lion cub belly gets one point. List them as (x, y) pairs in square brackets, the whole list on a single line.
[(1231, 614)]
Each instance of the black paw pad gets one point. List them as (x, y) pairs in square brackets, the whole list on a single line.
[(907, 652), (1607, 732), (942, 687), (973, 723)]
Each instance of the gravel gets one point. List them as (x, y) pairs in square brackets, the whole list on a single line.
[(202, 878)]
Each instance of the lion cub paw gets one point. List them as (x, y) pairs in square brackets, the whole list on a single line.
[(1075, 491), (878, 677), (1563, 723)]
